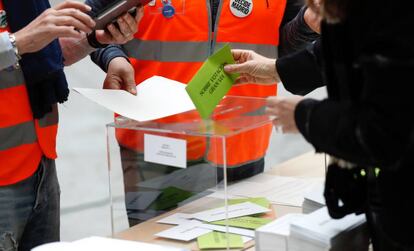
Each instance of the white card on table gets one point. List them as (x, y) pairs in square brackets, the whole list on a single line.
[(237, 210), (185, 232), (176, 219), (233, 230)]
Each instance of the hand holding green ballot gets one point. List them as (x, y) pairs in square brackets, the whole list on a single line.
[(211, 83)]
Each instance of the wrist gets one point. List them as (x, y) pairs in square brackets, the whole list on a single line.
[(271, 69), (13, 42), (93, 41), (20, 43), (116, 60)]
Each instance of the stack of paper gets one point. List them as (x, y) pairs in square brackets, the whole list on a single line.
[(103, 244), (274, 236), (277, 189), (211, 228), (313, 199), (233, 211), (191, 226), (318, 231)]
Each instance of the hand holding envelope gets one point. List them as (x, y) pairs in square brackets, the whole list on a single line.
[(211, 83)]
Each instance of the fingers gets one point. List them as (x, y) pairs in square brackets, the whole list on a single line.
[(129, 83), (117, 36), (62, 19), (127, 27), (273, 106), (130, 22), (277, 125), (72, 17), (273, 101), (238, 68), (112, 83), (237, 54), (103, 37), (283, 109), (73, 4), (231, 68), (242, 80), (139, 15), (125, 82), (272, 111), (115, 33), (121, 75), (66, 31), (72, 13), (240, 56)]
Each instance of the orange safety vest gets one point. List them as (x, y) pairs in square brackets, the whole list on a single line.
[(176, 47), (23, 140)]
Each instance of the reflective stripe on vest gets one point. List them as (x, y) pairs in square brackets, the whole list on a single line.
[(46, 129), (167, 51), (263, 49), (176, 47), (51, 118), (186, 51), (24, 133), (10, 78)]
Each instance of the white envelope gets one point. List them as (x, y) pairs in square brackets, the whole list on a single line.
[(185, 232), (176, 219), (233, 230), (233, 211)]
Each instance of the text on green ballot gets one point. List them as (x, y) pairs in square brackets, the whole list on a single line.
[(210, 84)]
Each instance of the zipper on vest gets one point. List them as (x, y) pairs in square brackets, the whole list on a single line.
[(210, 27), (216, 24)]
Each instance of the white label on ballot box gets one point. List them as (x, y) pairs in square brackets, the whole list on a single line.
[(165, 150)]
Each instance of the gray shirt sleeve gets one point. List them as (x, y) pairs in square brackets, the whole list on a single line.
[(7, 55)]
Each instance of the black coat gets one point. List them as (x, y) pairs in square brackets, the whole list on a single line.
[(367, 63)]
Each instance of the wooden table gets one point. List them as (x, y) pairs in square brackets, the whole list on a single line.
[(306, 165)]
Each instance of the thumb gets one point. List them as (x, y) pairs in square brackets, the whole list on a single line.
[(237, 68), (129, 83)]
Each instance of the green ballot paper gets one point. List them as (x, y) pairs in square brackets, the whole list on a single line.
[(169, 198), (209, 85), (218, 240), (261, 201), (244, 222)]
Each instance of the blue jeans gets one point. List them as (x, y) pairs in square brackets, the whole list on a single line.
[(30, 210)]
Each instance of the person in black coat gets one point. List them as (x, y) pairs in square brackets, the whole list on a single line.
[(366, 58)]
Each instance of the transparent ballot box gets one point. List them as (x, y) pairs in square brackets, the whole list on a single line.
[(179, 167)]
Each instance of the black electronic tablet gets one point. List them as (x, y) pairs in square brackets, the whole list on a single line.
[(115, 10)]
